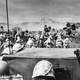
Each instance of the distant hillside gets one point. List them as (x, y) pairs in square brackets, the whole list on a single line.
[(36, 26)]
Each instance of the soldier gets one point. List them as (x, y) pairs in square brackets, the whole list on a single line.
[(66, 43), (59, 42), (73, 27), (43, 71), (1, 29), (68, 24), (7, 47), (30, 42), (45, 28), (18, 46)]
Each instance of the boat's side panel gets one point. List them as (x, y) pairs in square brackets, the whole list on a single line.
[(25, 66)]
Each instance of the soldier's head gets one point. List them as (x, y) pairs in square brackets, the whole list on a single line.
[(1, 27), (73, 27), (68, 24), (43, 71), (77, 53), (45, 26), (49, 28)]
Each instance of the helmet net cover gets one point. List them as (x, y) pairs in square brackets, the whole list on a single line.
[(43, 68)]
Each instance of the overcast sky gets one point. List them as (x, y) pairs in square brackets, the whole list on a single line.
[(33, 10)]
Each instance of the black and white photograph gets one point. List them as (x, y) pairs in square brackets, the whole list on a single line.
[(39, 39)]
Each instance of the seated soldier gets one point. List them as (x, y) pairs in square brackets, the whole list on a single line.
[(59, 42), (7, 47), (30, 42), (18, 46), (66, 43)]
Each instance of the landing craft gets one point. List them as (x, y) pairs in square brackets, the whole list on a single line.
[(65, 63)]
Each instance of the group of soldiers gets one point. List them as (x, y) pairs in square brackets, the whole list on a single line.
[(48, 38)]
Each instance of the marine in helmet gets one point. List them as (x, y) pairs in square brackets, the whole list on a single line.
[(43, 71)]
